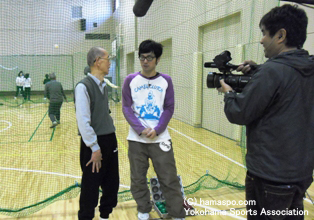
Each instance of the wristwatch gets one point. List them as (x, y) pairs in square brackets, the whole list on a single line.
[(231, 91)]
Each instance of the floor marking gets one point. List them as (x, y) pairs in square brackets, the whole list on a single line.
[(307, 200), (216, 152), (37, 105), (50, 173), (37, 127), (10, 124)]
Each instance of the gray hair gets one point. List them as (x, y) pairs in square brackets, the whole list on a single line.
[(86, 70), (93, 54), (52, 76)]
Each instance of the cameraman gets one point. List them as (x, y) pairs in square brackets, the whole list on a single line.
[(277, 107)]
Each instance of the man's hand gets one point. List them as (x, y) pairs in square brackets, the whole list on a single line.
[(245, 67), (146, 131), (224, 87), (149, 133), (96, 160)]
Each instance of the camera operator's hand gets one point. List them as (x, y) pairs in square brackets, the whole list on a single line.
[(245, 67), (224, 87)]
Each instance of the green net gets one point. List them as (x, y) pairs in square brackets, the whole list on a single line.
[(40, 165)]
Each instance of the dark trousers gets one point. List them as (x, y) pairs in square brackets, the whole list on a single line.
[(54, 111), (27, 93), (19, 89), (273, 197), (165, 168), (107, 179)]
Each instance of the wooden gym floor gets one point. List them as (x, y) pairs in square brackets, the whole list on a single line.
[(37, 162)]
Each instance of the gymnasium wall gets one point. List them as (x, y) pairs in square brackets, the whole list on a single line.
[(198, 30), (31, 28)]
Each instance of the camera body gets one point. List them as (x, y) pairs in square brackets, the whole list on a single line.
[(221, 62)]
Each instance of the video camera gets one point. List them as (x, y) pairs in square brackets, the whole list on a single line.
[(221, 62)]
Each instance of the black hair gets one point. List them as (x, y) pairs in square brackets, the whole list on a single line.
[(20, 73), (292, 19), (148, 46), (47, 76), (26, 75)]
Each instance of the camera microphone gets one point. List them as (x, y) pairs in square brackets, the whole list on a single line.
[(141, 7), (210, 65), (214, 65)]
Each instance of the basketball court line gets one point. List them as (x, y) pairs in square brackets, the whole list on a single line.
[(52, 134), (24, 142), (203, 145), (49, 173), (308, 200), (9, 68), (37, 127), (38, 153), (9, 125), (37, 105), (53, 131)]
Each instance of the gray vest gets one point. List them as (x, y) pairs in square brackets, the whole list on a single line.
[(101, 121)]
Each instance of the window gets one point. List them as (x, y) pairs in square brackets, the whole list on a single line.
[(76, 11), (115, 5)]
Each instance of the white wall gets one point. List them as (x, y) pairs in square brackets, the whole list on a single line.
[(33, 27), (183, 23)]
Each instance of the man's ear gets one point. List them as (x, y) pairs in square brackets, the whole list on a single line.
[(282, 35)]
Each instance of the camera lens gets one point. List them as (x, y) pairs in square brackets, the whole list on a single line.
[(213, 80)]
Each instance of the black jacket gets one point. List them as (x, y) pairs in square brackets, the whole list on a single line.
[(277, 107)]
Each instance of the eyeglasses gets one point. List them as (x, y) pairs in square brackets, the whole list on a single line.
[(148, 58), (104, 58)]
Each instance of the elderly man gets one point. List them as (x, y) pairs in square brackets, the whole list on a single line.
[(54, 92)]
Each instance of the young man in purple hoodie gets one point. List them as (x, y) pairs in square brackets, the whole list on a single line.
[(148, 105)]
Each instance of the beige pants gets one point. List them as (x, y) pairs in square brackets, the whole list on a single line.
[(165, 168)]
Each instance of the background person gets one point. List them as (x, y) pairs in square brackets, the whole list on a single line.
[(19, 84), (27, 84), (54, 92)]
